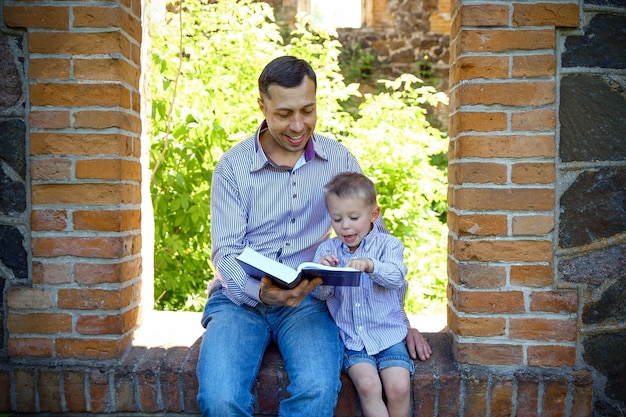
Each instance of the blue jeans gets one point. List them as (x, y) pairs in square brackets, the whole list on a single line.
[(233, 346)]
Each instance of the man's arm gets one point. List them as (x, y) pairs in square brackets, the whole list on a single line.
[(228, 234)]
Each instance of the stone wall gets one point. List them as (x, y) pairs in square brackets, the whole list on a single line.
[(14, 204), (591, 182), (405, 43), (406, 36)]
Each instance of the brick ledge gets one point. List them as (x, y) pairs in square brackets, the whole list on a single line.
[(162, 380)]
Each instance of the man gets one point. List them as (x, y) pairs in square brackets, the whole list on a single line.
[(266, 193)]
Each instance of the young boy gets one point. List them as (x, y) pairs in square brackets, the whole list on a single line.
[(370, 317)]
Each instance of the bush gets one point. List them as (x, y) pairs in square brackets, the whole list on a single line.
[(205, 63)]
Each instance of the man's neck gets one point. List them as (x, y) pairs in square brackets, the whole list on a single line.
[(277, 155)]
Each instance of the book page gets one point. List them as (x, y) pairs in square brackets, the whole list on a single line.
[(313, 265), (266, 266)]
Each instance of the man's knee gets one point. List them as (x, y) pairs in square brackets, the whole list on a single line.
[(219, 404)]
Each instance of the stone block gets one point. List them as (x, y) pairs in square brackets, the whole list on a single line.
[(605, 352), (11, 93), (602, 44), (593, 207), (593, 267), (591, 114), (13, 145), (13, 253), (610, 308)]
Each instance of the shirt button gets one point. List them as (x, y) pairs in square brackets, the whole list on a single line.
[(360, 328), (358, 304), (294, 196), (293, 220)]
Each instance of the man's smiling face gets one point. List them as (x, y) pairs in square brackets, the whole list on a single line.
[(291, 115)]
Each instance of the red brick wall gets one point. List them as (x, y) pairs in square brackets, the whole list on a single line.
[(85, 128), (504, 307)]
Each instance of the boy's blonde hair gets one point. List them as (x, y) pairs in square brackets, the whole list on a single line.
[(351, 184)]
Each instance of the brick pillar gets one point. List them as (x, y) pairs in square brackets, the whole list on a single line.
[(84, 71), (504, 307)]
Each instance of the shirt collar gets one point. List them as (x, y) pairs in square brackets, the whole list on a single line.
[(312, 149)]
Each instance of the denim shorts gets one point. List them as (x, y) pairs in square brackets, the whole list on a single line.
[(396, 355)]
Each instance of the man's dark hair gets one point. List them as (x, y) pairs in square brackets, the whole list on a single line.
[(285, 71)]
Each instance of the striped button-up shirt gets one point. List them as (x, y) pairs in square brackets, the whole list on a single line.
[(277, 211), (370, 316)]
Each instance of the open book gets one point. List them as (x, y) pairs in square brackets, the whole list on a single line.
[(257, 266)]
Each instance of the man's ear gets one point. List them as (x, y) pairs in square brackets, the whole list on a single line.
[(261, 104)]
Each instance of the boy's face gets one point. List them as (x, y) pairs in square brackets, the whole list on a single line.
[(290, 114), (351, 218)]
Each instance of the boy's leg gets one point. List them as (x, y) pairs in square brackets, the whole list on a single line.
[(364, 376), (309, 343), (396, 368), (397, 385), (230, 356)]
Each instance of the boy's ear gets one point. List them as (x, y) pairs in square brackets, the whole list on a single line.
[(375, 213)]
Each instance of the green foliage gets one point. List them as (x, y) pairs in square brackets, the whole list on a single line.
[(204, 91), (398, 148), (358, 65), (205, 75)]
